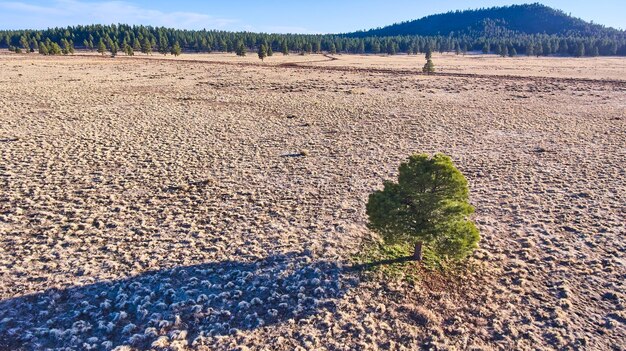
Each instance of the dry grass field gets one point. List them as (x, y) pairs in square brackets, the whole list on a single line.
[(161, 203)]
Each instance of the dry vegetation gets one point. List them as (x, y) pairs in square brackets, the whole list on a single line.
[(170, 203)]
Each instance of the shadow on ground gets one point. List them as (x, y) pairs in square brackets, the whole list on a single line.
[(182, 303)]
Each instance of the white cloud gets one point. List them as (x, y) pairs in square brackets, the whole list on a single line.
[(61, 13)]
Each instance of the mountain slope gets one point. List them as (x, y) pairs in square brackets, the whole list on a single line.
[(529, 19)]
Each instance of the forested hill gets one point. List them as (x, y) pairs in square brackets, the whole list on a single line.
[(527, 19), (507, 31)]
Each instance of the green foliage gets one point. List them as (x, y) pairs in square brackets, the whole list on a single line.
[(146, 47), (262, 52), (65, 47), (176, 49), (429, 205), (429, 67), (580, 51), (285, 48), (241, 50), (43, 49), (24, 43), (54, 49), (101, 47), (332, 50), (136, 45), (544, 30), (164, 46)]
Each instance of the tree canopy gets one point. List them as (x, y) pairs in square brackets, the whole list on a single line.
[(428, 206), (524, 28)]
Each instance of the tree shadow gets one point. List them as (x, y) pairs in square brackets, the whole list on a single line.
[(370, 265), (182, 303)]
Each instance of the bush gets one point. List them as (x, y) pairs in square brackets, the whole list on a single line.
[(428, 207), (429, 67)]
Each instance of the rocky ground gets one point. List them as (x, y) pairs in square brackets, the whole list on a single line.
[(148, 203)]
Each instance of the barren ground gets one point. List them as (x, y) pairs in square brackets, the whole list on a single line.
[(155, 203)]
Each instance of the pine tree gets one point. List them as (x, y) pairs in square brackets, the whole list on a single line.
[(114, 47), (164, 46), (65, 46), (512, 52), (101, 47), (270, 52), (485, 48), (332, 49), (361, 47), (146, 47), (136, 45), (391, 49), (429, 67), (596, 52), (505, 51), (43, 49), (54, 49), (428, 207), (176, 49), (24, 43), (538, 49), (580, 51), (241, 49), (376, 47), (285, 48), (429, 53), (262, 52)]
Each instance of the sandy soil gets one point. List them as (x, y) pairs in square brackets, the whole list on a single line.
[(148, 203), (605, 68)]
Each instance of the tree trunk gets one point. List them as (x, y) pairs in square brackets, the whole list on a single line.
[(417, 255)]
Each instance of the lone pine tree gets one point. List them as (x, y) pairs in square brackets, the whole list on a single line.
[(146, 47), (241, 49), (262, 52), (101, 47), (428, 207), (176, 49)]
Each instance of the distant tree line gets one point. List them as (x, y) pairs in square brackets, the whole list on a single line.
[(129, 40)]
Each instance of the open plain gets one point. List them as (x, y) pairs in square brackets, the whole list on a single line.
[(215, 203)]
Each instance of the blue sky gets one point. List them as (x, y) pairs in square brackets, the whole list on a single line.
[(317, 16)]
